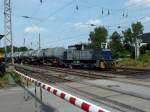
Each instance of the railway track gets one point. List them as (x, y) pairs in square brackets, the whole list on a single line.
[(77, 72), (96, 74), (42, 77), (89, 74), (47, 76), (119, 72), (106, 101), (134, 69)]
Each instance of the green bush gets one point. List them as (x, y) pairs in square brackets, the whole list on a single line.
[(4, 77), (145, 58), (142, 61), (17, 78), (2, 69), (128, 62)]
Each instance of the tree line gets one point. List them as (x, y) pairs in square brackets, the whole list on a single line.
[(15, 49), (121, 44)]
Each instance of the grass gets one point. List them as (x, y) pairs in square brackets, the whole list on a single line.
[(17, 79), (4, 80), (142, 61), (145, 58)]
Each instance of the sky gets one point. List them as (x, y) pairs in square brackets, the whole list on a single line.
[(67, 22)]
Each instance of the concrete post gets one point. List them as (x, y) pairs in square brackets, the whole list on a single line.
[(35, 96), (135, 48), (41, 93)]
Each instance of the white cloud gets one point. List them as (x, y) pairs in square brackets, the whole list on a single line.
[(80, 24), (146, 19), (133, 3), (95, 22), (33, 29)]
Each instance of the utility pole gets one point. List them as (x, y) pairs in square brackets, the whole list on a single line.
[(8, 28), (39, 41), (137, 48), (31, 45), (24, 42)]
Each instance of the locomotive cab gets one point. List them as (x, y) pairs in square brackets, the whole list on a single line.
[(106, 61)]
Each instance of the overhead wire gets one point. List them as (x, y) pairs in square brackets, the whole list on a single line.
[(124, 10), (63, 7), (60, 9), (52, 14), (69, 38), (113, 9), (55, 12), (77, 5), (124, 24)]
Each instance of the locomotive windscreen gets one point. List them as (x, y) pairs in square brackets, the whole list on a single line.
[(106, 54)]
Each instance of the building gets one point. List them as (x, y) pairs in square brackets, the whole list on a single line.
[(145, 37)]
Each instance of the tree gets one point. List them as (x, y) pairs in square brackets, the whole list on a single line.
[(137, 29), (16, 49), (98, 36), (128, 36), (116, 45), (22, 49), (131, 35)]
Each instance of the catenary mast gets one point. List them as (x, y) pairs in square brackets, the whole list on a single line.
[(8, 28)]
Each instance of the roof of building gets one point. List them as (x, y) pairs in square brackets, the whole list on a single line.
[(145, 37)]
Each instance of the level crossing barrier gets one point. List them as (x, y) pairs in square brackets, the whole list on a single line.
[(84, 105)]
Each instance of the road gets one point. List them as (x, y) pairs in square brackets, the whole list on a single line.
[(17, 99)]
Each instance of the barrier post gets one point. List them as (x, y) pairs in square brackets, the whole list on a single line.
[(27, 84), (40, 93), (35, 96)]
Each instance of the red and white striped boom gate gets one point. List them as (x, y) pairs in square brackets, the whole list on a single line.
[(84, 105)]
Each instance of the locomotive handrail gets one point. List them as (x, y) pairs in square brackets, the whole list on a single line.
[(84, 105)]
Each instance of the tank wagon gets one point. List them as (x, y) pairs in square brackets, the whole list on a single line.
[(71, 57), (54, 56), (25, 57)]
